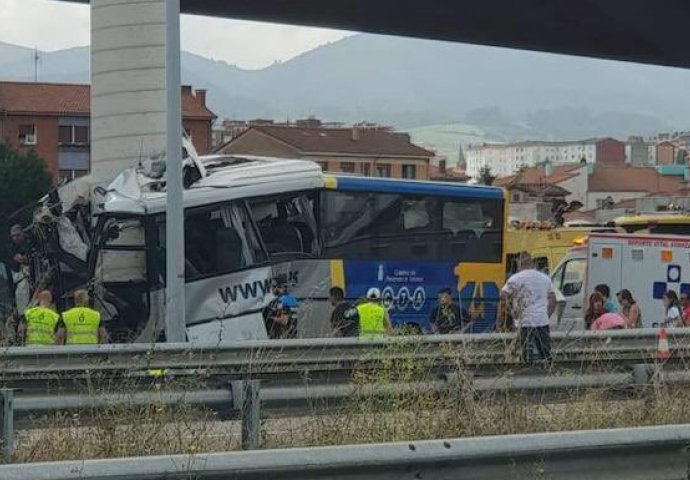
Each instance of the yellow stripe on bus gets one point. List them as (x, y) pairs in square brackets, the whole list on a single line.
[(337, 274), (330, 182)]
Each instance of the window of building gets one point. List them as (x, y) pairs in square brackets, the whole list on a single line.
[(347, 167), (64, 135), (323, 165), (366, 169), (287, 224), (81, 135), (73, 135), (515, 197), (27, 135), (409, 171), (67, 175), (383, 170)]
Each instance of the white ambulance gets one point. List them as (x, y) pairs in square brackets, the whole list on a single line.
[(647, 265)]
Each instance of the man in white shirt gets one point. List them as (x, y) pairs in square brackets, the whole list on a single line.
[(530, 296)]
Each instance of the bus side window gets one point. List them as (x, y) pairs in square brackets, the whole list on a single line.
[(389, 226), (474, 227), (218, 240), (287, 224)]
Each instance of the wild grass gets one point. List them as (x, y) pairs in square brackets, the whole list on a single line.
[(126, 428), (399, 396)]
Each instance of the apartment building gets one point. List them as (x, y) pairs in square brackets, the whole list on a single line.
[(54, 120), (370, 151), (506, 159)]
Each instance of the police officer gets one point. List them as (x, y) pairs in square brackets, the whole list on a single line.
[(373, 319), (81, 325), (40, 322)]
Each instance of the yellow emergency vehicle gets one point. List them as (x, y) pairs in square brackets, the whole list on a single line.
[(663, 223), (547, 246)]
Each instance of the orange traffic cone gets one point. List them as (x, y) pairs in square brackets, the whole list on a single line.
[(662, 352)]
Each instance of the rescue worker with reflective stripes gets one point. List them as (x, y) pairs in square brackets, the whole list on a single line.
[(40, 322), (373, 319), (81, 325)]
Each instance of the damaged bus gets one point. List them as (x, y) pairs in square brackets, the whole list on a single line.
[(249, 219)]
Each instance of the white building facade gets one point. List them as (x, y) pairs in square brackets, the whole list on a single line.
[(506, 159)]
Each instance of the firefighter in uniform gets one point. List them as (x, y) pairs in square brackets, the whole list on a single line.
[(81, 325), (40, 322), (373, 318)]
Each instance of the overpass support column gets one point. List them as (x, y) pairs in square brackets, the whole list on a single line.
[(135, 112), (128, 103)]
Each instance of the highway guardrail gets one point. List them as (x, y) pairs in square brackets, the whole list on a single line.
[(630, 453)]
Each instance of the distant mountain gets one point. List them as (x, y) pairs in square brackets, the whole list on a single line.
[(506, 94)]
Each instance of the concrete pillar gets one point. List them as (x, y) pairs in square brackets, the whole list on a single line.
[(128, 103)]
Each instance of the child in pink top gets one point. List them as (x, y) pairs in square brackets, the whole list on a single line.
[(609, 321)]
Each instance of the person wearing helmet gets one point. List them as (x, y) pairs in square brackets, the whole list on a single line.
[(373, 319)]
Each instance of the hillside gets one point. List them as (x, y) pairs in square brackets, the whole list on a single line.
[(503, 93)]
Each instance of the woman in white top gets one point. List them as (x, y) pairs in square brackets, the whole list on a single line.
[(672, 306)]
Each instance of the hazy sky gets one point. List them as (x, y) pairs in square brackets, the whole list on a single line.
[(52, 25)]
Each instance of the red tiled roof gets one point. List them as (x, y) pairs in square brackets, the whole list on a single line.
[(537, 175), (631, 179), (545, 189), (341, 140), (70, 99), (45, 98), (451, 174)]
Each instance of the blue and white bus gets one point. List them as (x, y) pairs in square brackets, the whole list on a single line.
[(250, 219)]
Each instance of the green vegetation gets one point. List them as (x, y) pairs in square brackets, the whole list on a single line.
[(402, 398), (486, 177), (24, 179)]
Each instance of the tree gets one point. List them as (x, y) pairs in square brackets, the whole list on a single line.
[(485, 176), (24, 179)]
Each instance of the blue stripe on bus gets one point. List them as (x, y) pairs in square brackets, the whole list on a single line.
[(383, 185)]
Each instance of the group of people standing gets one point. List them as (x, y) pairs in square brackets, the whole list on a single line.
[(676, 309), (603, 313), (368, 317), (43, 325)]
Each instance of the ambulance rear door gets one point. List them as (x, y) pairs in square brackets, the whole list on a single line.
[(604, 265), (651, 266)]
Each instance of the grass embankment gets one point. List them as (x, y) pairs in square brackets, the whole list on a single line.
[(372, 413)]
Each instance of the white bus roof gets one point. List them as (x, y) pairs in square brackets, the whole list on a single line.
[(228, 177)]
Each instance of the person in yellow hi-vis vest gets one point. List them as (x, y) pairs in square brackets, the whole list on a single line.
[(81, 325), (373, 319), (40, 322)]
